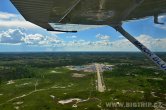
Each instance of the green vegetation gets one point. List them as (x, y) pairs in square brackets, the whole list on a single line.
[(37, 81)]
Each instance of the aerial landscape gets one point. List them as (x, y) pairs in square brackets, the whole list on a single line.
[(82, 54), (70, 80)]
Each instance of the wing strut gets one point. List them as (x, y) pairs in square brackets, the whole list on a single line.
[(158, 61), (69, 10)]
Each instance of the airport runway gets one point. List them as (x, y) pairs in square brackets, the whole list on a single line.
[(100, 81)]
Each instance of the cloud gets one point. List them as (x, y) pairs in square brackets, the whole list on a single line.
[(18, 36), (51, 41), (17, 23), (155, 44), (12, 36), (33, 39), (5, 15), (10, 20), (162, 17), (161, 26), (41, 40), (72, 37), (103, 37)]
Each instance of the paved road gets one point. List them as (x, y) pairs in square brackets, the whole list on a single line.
[(100, 81)]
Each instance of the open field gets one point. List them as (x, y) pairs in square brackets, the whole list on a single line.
[(42, 81)]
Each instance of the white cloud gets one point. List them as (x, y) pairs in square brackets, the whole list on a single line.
[(17, 23), (12, 36), (41, 40), (103, 37), (156, 44), (162, 17), (10, 20), (51, 41), (18, 36), (5, 15), (161, 26), (33, 39), (150, 42), (72, 37), (119, 45)]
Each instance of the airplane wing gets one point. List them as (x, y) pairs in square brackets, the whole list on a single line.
[(47, 13), (35, 11), (76, 15)]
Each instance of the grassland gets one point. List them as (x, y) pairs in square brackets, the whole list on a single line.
[(38, 82)]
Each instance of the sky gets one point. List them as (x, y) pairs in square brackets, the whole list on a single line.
[(19, 35)]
